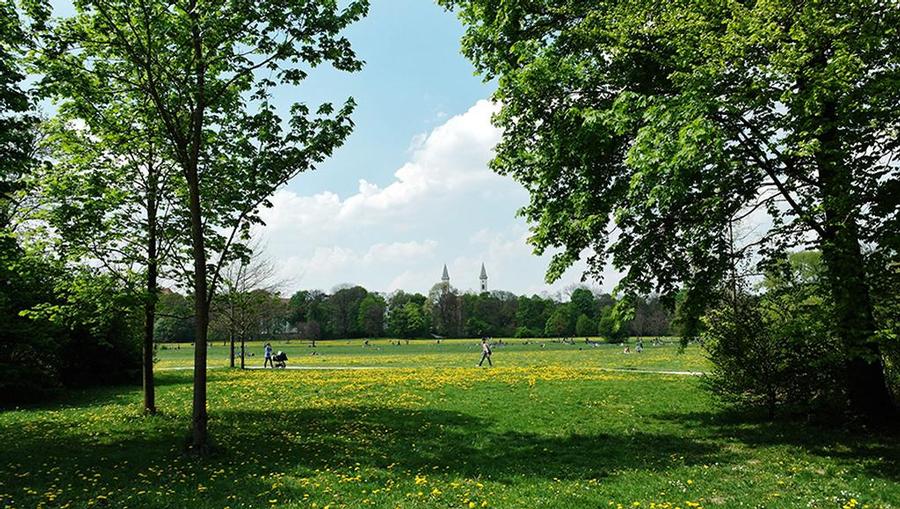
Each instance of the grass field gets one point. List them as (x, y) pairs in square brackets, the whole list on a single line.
[(549, 427)]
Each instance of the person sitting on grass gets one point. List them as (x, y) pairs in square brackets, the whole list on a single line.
[(485, 352), (268, 353)]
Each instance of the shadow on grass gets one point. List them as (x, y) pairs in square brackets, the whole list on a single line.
[(252, 447), (877, 452)]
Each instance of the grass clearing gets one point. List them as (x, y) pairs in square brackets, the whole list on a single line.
[(545, 428)]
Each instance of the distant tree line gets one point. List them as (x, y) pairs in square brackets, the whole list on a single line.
[(355, 312)]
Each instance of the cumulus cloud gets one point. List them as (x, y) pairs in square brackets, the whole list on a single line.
[(451, 158), (443, 205)]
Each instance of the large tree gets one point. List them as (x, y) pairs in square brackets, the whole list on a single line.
[(644, 130), (207, 68)]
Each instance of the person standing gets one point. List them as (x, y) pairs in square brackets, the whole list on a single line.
[(268, 353), (485, 352)]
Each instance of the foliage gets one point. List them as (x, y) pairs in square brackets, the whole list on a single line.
[(29, 366), (610, 325), (207, 71), (585, 326), (445, 307), (560, 322), (63, 326), (344, 307), (583, 303), (450, 314), (174, 319), (102, 321), (778, 350), (669, 122), (371, 315)]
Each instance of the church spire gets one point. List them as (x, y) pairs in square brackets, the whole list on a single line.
[(484, 279), (446, 276)]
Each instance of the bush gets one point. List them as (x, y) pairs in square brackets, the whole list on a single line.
[(62, 326), (776, 351), (29, 366)]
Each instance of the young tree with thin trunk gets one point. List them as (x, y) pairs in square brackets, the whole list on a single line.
[(239, 306), (109, 195), (207, 69)]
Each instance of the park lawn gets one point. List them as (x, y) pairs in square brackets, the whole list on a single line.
[(529, 434), (450, 353)]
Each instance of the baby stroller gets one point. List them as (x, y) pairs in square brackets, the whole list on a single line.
[(280, 360)]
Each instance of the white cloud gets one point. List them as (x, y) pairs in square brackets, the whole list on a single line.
[(399, 251), (451, 158), (443, 205)]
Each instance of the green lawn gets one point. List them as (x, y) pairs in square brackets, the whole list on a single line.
[(544, 429), (451, 353)]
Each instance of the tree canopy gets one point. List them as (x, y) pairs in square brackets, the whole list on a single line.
[(645, 130)]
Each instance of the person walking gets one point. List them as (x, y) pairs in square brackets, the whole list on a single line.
[(485, 352), (268, 353)]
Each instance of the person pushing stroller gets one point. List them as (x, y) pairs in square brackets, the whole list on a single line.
[(279, 360)]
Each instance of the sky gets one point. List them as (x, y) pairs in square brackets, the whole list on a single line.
[(410, 190)]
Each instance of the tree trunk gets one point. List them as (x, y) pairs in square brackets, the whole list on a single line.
[(149, 323), (198, 243), (152, 287), (231, 356), (201, 314), (868, 392), (243, 352)]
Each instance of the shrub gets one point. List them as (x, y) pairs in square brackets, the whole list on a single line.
[(775, 351)]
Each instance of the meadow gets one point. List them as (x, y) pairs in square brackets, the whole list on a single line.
[(419, 426)]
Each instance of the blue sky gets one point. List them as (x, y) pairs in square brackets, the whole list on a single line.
[(410, 189)]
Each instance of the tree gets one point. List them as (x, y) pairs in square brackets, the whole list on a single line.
[(585, 326), (669, 121), (241, 304), (298, 307), (207, 70), (446, 310), (583, 303), (406, 316), (174, 318), (777, 350), (531, 315), (25, 280), (110, 196), (611, 325), (17, 117), (344, 315), (560, 322), (371, 315)]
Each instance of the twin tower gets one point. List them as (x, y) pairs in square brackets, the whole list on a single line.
[(445, 278)]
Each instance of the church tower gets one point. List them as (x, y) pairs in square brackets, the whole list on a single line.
[(445, 279), (483, 279)]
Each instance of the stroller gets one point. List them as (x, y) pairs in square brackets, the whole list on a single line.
[(280, 360)]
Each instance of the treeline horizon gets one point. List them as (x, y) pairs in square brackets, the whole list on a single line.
[(351, 312)]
